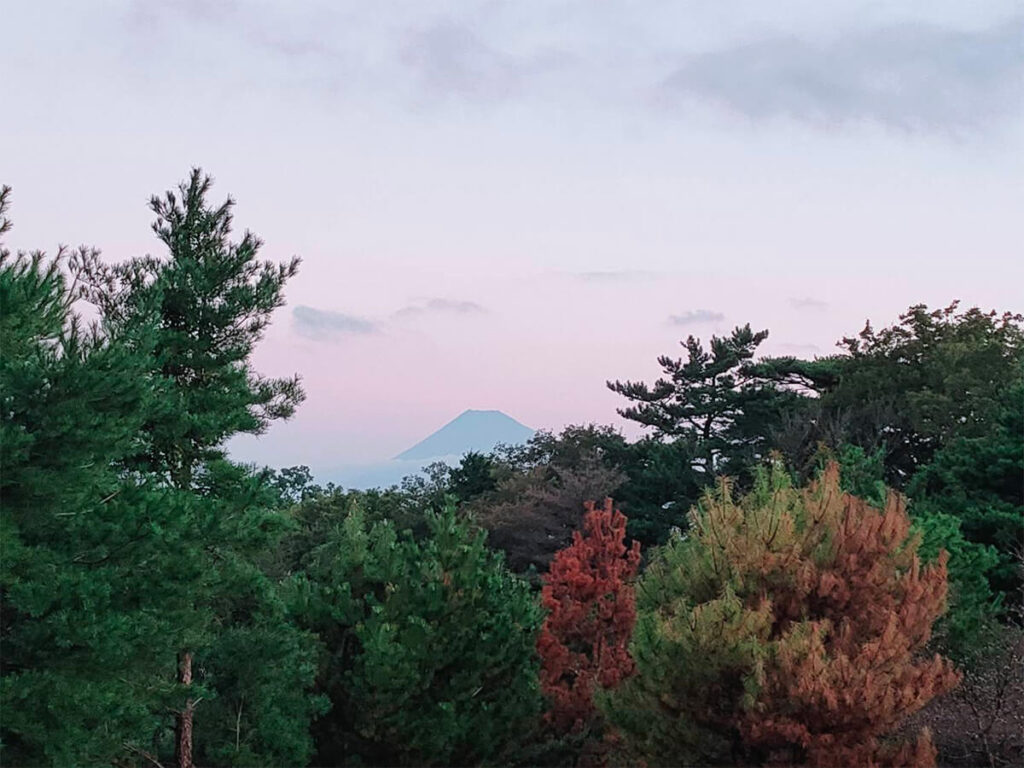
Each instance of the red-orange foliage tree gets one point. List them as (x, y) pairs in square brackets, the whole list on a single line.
[(787, 628), (591, 611)]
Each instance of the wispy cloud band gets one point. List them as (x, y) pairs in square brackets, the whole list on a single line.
[(326, 325), (445, 306), (696, 317)]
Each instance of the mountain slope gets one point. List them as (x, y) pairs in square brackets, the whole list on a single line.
[(470, 431)]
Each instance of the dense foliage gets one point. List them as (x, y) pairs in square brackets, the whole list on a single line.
[(933, 377), (715, 401), (784, 630), (940, 396), (95, 598), (428, 644), (136, 541), (591, 611), (932, 405), (977, 481)]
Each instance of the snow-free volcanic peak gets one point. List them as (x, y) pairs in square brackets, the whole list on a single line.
[(470, 431)]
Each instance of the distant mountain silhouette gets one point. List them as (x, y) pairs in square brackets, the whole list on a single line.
[(470, 431)]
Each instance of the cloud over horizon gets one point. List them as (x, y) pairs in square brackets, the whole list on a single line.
[(696, 317), (448, 306), (327, 325)]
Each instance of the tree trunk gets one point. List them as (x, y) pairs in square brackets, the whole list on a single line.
[(183, 729)]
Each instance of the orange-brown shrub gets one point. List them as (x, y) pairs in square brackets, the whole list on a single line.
[(591, 611), (787, 628)]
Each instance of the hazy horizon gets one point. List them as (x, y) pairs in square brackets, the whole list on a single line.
[(503, 206)]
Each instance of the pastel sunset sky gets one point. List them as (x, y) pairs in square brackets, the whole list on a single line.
[(501, 205)]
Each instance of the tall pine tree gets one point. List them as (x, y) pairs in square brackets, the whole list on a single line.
[(203, 307), (92, 581)]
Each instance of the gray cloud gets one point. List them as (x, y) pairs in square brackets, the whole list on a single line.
[(440, 306), (915, 77), (807, 302), (274, 32), (450, 59), (325, 325), (696, 317)]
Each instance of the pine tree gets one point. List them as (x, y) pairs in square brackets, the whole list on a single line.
[(591, 612), (976, 481), (785, 629), (210, 301), (473, 477), (91, 582), (973, 609), (199, 313), (429, 644), (716, 402)]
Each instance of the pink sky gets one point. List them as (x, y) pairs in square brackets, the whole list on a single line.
[(503, 207)]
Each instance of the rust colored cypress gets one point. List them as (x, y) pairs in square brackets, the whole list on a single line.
[(591, 611)]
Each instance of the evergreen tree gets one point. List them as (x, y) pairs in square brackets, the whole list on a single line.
[(429, 645), (94, 589), (973, 607), (975, 484), (913, 387), (210, 301), (716, 402), (938, 397), (294, 485), (943, 374), (199, 312), (786, 628), (473, 477), (591, 611), (659, 489)]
